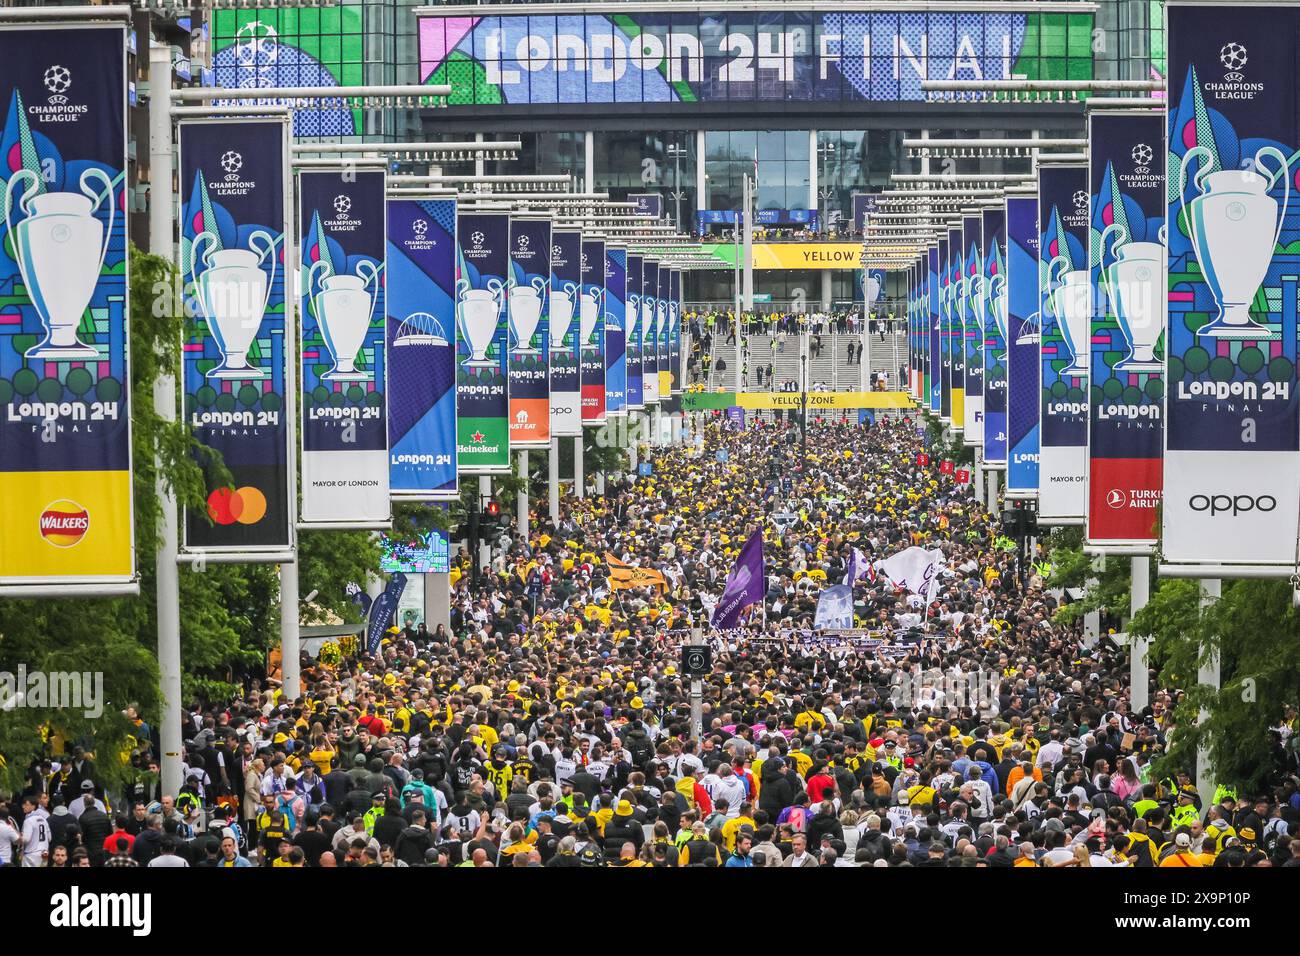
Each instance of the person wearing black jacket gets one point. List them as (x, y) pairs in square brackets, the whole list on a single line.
[(389, 826), (95, 828), (413, 841), (623, 827), (776, 793)]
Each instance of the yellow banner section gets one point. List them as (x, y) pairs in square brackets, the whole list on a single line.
[(811, 255), (769, 400), (65, 524)]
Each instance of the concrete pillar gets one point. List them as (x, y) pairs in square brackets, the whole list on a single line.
[(579, 479), (485, 492), (290, 644), (992, 478), (675, 429), (701, 182), (1208, 673), (634, 439), (826, 291), (1139, 647), (437, 600), (521, 510), (813, 184), (589, 160), (553, 481)]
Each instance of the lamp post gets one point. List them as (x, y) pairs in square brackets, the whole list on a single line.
[(803, 404), (677, 154), (825, 153)]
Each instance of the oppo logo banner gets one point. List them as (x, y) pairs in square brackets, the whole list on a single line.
[(1231, 504)]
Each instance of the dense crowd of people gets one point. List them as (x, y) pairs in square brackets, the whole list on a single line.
[(550, 723)]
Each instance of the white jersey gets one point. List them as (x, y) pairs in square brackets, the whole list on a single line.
[(36, 838)]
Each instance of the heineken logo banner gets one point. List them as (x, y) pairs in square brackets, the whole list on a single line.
[(1065, 311), (234, 178), (1126, 255), (1232, 440), (529, 303), (420, 296), (566, 375), (1023, 333), (591, 331), (994, 317), (344, 392), (65, 414), (482, 392)]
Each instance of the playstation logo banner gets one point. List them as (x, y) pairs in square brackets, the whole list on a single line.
[(1232, 413)]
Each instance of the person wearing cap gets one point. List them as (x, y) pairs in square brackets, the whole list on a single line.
[(1182, 855)]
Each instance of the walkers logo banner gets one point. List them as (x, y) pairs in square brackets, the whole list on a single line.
[(65, 415), (420, 296), (530, 298), (1065, 310), (675, 330), (566, 285), (482, 390), (649, 331), (934, 325), (591, 334), (663, 319), (615, 330), (945, 340), (994, 302), (1126, 255), (956, 329), (1023, 331), (234, 232), (635, 398), (971, 291), (1232, 446), (344, 403)]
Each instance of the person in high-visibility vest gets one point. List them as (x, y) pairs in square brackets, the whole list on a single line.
[(1185, 814)]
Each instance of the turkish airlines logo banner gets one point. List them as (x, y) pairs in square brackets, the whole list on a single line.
[(1232, 439), (234, 178), (1126, 257)]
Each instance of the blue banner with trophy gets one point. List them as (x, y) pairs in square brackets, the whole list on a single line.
[(1065, 310), (65, 414), (420, 299), (234, 178), (934, 327), (615, 330), (649, 327), (344, 394), (591, 332), (1232, 440), (675, 280), (635, 399), (1024, 400), (994, 302), (566, 284), (945, 331), (482, 352), (971, 290), (1126, 255), (529, 303)]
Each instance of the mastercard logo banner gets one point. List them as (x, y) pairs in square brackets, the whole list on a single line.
[(245, 505), (64, 523)]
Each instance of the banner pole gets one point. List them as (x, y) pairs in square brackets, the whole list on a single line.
[(1207, 673), (579, 480), (553, 481), (290, 686), (167, 574), (521, 515), (1139, 674)]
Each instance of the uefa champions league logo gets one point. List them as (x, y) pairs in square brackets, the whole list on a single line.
[(523, 243), (1080, 200), (420, 227), (1142, 155), (1233, 57), (342, 206), (57, 80), (232, 163), (477, 239), (557, 254)]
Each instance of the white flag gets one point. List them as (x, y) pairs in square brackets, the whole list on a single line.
[(914, 569)]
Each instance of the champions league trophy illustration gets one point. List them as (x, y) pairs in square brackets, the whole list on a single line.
[(588, 312), (633, 313), (343, 308), (1234, 225), (525, 313), (1071, 303), (1135, 282), (998, 286), (60, 247), (562, 314), (978, 293), (477, 311), (870, 289), (233, 292), (647, 320)]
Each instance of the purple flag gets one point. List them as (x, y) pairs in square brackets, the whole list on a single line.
[(746, 584)]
